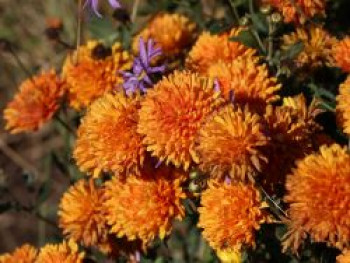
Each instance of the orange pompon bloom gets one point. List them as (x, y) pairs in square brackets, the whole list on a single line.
[(92, 71), (318, 195), (230, 213), (172, 112), (298, 11), (343, 105), (81, 215), (67, 252), (107, 137), (144, 207), (36, 102), (341, 54), (23, 254), (172, 32), (344, 257), (317, 50), (210, 49), (230, 143), (249, 82)]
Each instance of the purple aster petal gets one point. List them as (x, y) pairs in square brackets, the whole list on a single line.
[(155, 52), (216, 85), (143, 52), (94, 7), (158, 69), (114, 4), (147, 80), (159, 163)]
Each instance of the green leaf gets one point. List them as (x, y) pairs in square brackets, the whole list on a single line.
[(246, 38), (102, 28), (260, 23), (293, 51)]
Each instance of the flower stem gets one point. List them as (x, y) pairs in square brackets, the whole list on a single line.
[(64, 124), (135, 8), (234, 11), (79, 22)]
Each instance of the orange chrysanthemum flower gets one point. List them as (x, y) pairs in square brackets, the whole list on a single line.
[(249, 82), (298, 11), (172, 113), (144, 207), (172, 32), (230, 213), (36, 102), (341, 54), (229, 144), (92, 71), (290, 127), (210, 49), (81, 216), (317, 50), (107, 137), (343, 105), (344, 257), (67, 252), (318, 194), (23, 254)]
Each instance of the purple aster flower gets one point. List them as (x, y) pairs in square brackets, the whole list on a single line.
[(141, 76), (93, 5)]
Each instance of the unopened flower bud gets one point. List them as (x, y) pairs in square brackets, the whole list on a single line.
[(193, 187), (244, 21), (194, 175), (266, 9), (276, 18)]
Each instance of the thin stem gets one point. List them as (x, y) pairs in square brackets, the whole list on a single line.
[(234, 11), (79, 22), (270, 41), (45, 219), (253, 31), (134, 10), (65, 44), (64, 124), (21, 64), (251, 7), (258, 40), (273, 201)]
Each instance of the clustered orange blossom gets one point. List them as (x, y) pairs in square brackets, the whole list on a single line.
[(107, 138), (210, 49), (230, 214), (317, 46), (144, 207), (172, 113), (341, 54), (172, 33), (230, 143), (81, 215), (92, 70), (248, 82), (298, 11), (319, 199), (343, 102), (35, 104), (24, 254), (67, 251)]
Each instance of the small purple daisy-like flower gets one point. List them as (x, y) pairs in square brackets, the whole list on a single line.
[(140, 77), (93, 5)]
